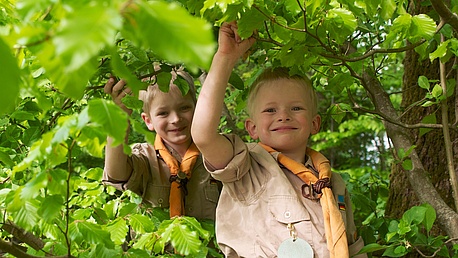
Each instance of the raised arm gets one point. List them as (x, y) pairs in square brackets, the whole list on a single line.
[(216, 149), (115, 158)]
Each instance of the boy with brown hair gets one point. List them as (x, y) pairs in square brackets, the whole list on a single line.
[(276, 198), (170, 173)]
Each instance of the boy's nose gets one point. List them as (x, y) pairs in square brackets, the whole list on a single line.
[(175, 117), (284, 115)]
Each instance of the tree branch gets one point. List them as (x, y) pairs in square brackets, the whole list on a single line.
[(24, 236), (446, 132), (445, 13)]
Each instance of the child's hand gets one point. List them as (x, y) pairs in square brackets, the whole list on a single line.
[(118, 90), (230, 43)]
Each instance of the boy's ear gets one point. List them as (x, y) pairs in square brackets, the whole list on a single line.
[(147, 119), (250, 126), (316, 124)]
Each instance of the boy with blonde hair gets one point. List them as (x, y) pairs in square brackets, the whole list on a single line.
[(276, 198), (170, 173)]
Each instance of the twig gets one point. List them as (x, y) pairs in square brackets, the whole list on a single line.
[(446, 131)]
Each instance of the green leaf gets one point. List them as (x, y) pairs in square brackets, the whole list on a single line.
[(429, 119), (407, 164), (388, 8), (422, 27), (10, 79), (340, 23), (398, 30), (163, 27), (163, 81), (111, 118), (430, 217), (5, 158), (236, 81), (182, 238), (437, 91), (250, 21), (196, 226), (118, 231), (51, 207), (127, 209), (423, 82), (372, 248), (84, 32), (440, 51), (33, 187), (122, 71), (92, 140), (27, 216), (141, 223), (82, 231)]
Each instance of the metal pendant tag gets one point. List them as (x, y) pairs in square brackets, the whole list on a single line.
[(298, 248)]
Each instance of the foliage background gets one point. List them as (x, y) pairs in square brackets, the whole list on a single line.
[(56, 55)]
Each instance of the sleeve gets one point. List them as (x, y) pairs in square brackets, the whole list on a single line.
[(142, 161), (243, 178), (237, 167)]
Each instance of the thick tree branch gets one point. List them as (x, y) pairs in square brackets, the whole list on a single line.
[(24, 236), (444, 12)]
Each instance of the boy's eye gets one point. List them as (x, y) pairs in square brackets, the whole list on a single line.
[(296, 108), (163, 113), (185, 108), (269, 110)]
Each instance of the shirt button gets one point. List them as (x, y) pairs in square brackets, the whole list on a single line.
[(287, 214), (160, 200), (190, 209)]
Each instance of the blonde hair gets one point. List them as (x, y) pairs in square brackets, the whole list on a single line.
[(148, 95), (273, 74)]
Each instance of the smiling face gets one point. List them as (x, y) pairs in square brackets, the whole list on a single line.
[(283, 116), (170, 115)]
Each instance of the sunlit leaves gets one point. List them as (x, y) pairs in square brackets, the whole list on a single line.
[(10, 79), (51, 207), (388, 8), (118, 230), (185, 240), (84, 32), (164, 26), (414, 28), (340, 23), (82, 231), (109, 117), (141, 223)]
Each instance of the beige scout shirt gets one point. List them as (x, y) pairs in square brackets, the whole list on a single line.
[(150, 179), (258, 201)]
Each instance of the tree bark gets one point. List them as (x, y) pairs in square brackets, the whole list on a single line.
[(429, 181)]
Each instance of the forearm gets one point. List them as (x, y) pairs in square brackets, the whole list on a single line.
[(116, 165), (208, 112)]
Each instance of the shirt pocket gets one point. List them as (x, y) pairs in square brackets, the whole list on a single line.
[(211, 191), (157, 195), (287, 209)]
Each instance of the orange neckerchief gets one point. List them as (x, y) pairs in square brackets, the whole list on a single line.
[(177, 189), (336, 236)]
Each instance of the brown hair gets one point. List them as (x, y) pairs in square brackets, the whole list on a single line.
[(272, 74), (148, 95)]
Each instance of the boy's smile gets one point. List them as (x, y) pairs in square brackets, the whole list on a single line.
[(283, 116)]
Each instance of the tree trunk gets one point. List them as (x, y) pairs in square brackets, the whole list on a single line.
[(430, 146)]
